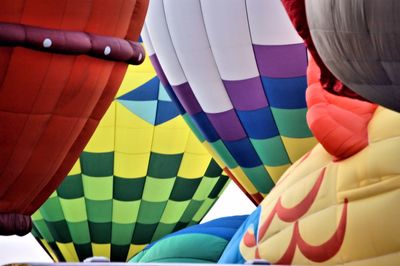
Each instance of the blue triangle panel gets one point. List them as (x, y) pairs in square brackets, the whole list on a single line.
[(165, 112), (146, 110), (163, 95), (146, 92)]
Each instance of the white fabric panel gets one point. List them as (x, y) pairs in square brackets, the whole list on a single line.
[(146, 41), (270, 24), (228, 33), (186, 26), (160, 39)]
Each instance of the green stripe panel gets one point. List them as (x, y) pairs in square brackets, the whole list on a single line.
[(98, 188), (180, 225), (79, 231), (71, 187), (174, 210), (100, 232), (83, 251), (205, 206), (184, 188), (122, 234), (162, 230), (157, 190), (51, 210), (271, 151), (219, 187), (205, 187), (128, 189), (99, 211), (74, 209), (292, 122), (164, 165), (224, 154), (59, 231), (151, 212), (190, 211), (125, 212), (213, 169), (43, 229), (97, 164), (119, 252), (260, 178), (143, 233)]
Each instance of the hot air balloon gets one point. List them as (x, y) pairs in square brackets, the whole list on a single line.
[(203, 243), (337, 205), (296, 10), (61, 63), (238, 70), (359, 44), (142, 175)]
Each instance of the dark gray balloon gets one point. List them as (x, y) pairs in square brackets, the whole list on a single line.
[(359, 41)]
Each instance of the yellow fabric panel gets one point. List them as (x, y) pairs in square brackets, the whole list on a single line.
[(131, 165), (134, 140), (276, 171), (170, 137), (68, 251), (103, 138), (378, 128), (194, 145), (135, 249), (76, 169), (101, 250), (374, 225), (373, 170), (369, 180), (243, 180), (214, 154), (389, 259), (133, 134), (297, 147), (50, 250), (136, 76), (127, 119), (193, 165)]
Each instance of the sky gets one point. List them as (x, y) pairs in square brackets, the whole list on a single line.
[(26, 249)]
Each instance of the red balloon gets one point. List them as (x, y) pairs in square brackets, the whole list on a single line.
[(61, 63)]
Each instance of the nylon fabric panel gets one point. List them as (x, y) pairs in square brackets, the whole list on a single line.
[(119, 182), (68, 94), (358, 41), (231, 76), (189, 37)]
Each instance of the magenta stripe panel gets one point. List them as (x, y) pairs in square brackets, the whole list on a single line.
[(246, 94), (227, 125), (281, 61)]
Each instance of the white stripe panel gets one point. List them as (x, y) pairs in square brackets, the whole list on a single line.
[(270, 24), (228, 33), (146, 40), (186, 26), (160, 39)]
